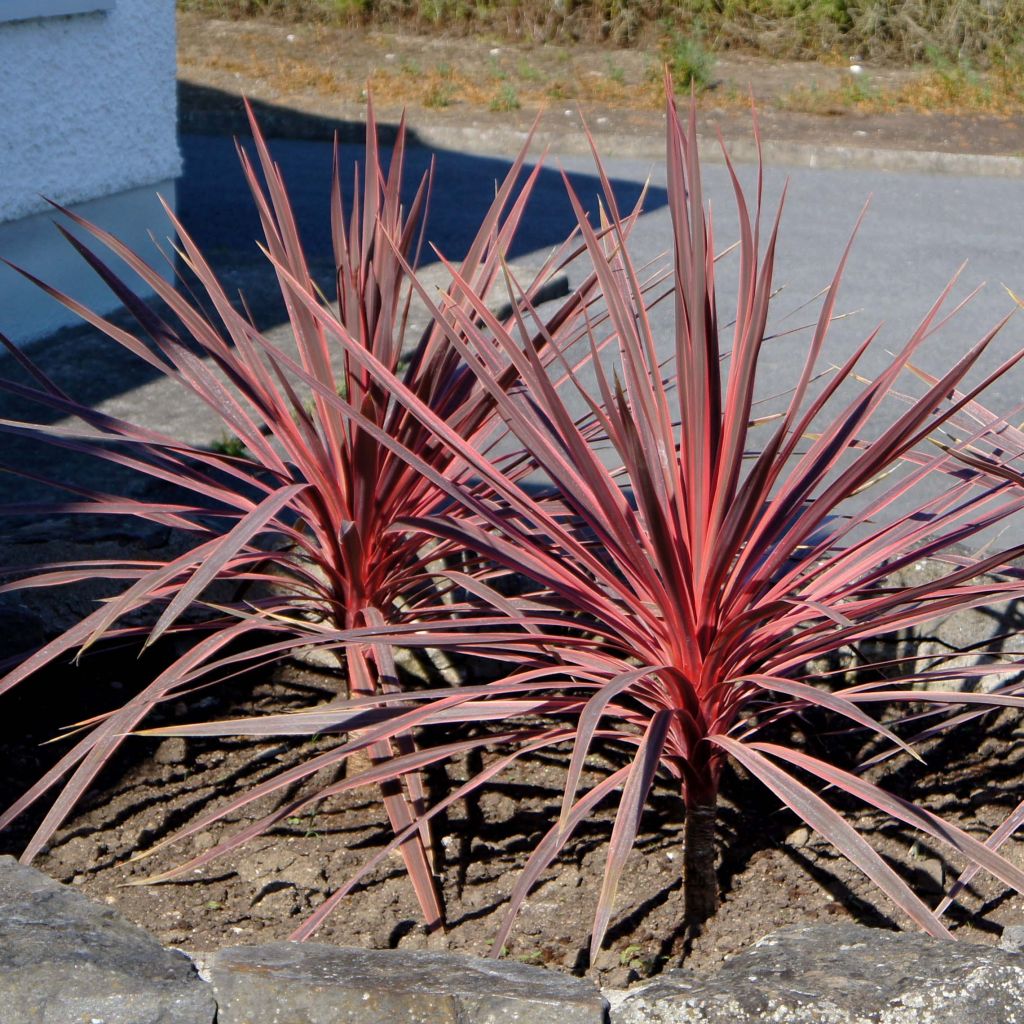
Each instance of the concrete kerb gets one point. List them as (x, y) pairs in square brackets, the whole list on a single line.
[(499, 141), (485, 139)]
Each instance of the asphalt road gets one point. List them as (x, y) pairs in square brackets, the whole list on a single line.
[(918, 230)]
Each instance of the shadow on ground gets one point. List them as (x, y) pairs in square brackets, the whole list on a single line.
[(214, 200), (216, 207)]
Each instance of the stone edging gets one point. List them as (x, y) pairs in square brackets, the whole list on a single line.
[(65, 959)]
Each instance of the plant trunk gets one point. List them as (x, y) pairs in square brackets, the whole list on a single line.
[(700, 881)]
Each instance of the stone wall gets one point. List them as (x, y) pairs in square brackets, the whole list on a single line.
[(65, 959)]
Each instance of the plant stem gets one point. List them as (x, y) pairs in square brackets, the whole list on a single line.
[(700, 882)]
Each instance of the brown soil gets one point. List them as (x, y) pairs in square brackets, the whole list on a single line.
[(314, 79), (772, 871)]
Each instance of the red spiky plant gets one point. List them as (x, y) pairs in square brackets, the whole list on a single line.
[(985, 450), (303, 526), (694, 579), (672, 619)]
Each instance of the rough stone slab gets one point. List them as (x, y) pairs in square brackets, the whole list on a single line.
[(311, 983), (65, 959), (840, 974)]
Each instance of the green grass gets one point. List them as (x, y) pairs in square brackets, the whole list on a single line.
[(527, 72), (439, 95), (228, 444), (689, 62), (853, 92), (441, 89), (616, 73), (505, 99)]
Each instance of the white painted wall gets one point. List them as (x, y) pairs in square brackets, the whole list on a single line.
[(88, 115), (87, 104)]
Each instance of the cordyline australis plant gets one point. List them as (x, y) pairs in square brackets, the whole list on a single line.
[(304, 527), (696, 576)]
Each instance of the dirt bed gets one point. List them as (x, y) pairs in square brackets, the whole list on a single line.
[(773, 872)]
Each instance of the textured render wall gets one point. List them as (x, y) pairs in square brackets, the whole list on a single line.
[(87, 105)]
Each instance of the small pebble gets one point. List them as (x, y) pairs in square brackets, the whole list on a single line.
[(799, 837), (1012, 939), (171, 751), (204, 841)]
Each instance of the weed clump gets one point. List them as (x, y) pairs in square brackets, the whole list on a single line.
[(982, 33)]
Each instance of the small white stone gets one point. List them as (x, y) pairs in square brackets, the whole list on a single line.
[(856, 69), (389, 56), (495, 50), (290, 37), (799, 837)]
